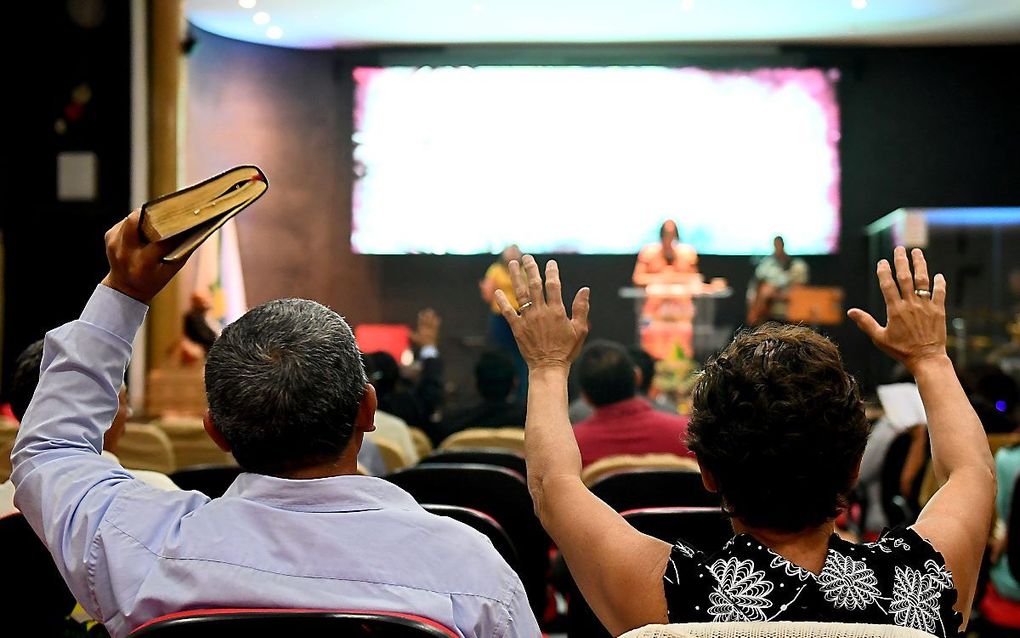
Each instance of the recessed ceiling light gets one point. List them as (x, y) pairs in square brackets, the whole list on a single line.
[(246, 4), (274, 32), (859, 4), (686, 5), (261, 18)]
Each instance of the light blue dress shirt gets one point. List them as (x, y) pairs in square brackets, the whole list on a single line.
[(131, 553)]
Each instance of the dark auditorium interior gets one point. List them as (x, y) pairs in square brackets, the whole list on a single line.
[(721, 174)]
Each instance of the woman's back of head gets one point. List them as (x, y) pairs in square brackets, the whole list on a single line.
[(779, 423)]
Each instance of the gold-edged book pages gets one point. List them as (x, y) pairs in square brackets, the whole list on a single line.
[(202, 208)]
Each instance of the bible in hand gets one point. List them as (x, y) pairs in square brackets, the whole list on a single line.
[(199, 210)]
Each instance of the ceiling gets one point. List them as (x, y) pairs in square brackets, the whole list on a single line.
[(363, 23)]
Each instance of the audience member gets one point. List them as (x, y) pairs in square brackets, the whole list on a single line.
[(298, 529), (579, 409), (495, 381), (623, 423), (23, 384), (778, 427), (1002, 599)]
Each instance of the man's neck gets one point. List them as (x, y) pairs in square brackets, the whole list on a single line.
[(806, 548), (346, 465)]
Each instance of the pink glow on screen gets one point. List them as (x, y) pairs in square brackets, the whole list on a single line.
[(466, 160)]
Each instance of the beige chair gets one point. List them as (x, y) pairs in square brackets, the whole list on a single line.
[(176, 391), (146, 447), (505, 438), (191, 444), (8, 432), (600, 468), (774, 630), (421, 441), (392, 454)]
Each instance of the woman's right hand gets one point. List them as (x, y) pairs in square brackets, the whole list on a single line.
[(915, 329)]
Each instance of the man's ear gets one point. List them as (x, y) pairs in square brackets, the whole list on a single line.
[(639, 378), (214, 432), (365, 421), (708, 479)]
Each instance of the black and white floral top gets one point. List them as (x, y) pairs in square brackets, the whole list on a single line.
[(899, 580)]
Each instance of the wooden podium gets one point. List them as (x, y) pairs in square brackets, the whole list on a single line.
[(815, 305)]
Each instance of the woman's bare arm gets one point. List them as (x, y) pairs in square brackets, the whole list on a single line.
[(618, 569), (956, 520)]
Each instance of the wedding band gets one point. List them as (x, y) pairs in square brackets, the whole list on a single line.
[(526, 304), (923, 293)]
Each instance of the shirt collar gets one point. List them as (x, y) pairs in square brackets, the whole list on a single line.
[(626, 407), (333, 494)]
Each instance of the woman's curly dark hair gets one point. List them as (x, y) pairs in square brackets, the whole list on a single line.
[(780, 424)]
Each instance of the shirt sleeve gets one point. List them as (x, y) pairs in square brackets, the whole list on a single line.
[(66, 490)]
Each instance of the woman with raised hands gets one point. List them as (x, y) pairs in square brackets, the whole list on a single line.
[(778, 427)]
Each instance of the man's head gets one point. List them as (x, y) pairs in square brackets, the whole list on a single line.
[(669, 232), (645, 364), (286, 387), (511, 253), (26, 378), (778, 427), (201, 300), (778, 246), (494, 376), (383, 372), (606, 373)]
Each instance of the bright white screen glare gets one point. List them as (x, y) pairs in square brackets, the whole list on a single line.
[(466, 160)]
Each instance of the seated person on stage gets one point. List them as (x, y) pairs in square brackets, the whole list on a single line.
[(495, 380), (768, 293), (623, 422), (778, 428), (298, 529), (23, 384)]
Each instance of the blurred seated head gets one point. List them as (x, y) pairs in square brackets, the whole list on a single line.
[(287, 390), (495, 376), (511, 253), (606, 373), (26, 378), (383, 372), (778, 428), (645, 364)]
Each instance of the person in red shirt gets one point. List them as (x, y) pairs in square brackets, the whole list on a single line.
[(623, 423)]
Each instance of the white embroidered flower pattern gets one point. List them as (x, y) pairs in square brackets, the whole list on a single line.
[(915, 601), (741, 592), (683, 549), (848, 583), (789, 568), (939, 573)]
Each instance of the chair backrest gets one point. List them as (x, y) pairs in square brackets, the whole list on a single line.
[(506, 438), (618, 462), (634, 489), (422, 443), (211, 480), (483, 456), (704, 528), (34, 592), (191, 444), (214, 623), (8, 432), (392, 454), (146, 447), (498, 492), (480, 522), (774, 630)]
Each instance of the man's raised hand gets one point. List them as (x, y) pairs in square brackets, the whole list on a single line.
[(137, 269)]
